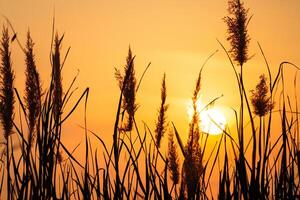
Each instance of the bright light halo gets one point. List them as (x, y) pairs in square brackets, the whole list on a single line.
[(211, 120)]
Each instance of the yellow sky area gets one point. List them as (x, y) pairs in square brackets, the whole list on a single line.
[(175, 36)]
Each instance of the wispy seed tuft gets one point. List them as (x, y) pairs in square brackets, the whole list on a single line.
[(32, 88), (161, 121), (260, 100), (192, 166), (238, 37), (173, 163), (6, 88), (129, 90), (57, 80)]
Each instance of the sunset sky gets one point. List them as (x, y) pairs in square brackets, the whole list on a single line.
[(176, 36)]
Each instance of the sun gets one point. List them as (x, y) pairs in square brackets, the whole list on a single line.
[(212, 121)]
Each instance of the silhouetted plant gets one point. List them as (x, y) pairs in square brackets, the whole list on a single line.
[(129, 90), (192, 165), (33, 89), (173, 159), (161, 121), (7, 101), (7, 79), (237, 22), (260, 100), (56, 78), (238, 37), (42, 173)]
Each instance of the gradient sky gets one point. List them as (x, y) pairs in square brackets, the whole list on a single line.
[(176, 36)]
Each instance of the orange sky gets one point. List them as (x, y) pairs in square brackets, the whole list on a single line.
[(175, 35)]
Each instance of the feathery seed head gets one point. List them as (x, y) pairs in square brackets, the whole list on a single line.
[(192, 166), (161, 121), (173, 163), (6, 88), (127, 84), (261, 103), (238, 37), (32, 88), (56, 78)]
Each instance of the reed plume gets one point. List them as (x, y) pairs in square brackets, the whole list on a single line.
[(194, 131), (192, 166), (237, 22), (173, 159), (161, 121), (6, 88), (261, 103), (238, 37), (129, 90), (32, 88), (56, 78), (7, 100)]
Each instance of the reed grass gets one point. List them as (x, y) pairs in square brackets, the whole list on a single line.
[(7, 100), (37, 165)]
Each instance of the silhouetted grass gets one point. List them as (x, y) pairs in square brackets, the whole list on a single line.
[(7, 100), (37, 165)]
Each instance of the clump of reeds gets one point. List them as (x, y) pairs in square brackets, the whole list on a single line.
[(263, 172), (33, 91), (48, 176)]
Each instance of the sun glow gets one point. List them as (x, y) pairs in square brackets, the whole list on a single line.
[(212, 120)]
